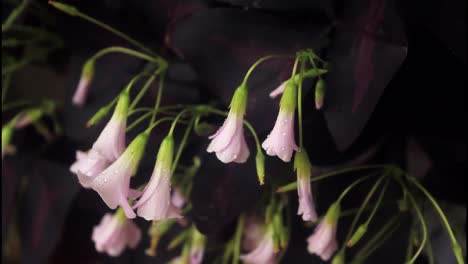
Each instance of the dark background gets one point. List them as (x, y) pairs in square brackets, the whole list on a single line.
[(395, 95)]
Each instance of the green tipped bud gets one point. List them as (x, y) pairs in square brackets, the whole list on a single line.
[(88, 70), (302, 164), (289, 98), (260, 165), (7, 133), (362, 229), (28, 117), (239, 100), (333, 213), (198, 239), (319, 93), (135, 150), (338, 258), (120, 216), (100, 114), (122, 105), (166, 153), (71, 10)]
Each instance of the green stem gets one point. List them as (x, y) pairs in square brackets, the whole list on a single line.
[(311, 58), (182, 144), (379, 201), (237, 240), (409, 249), (361, 208), (120, 34), (455, 245), (423, 225), (254, 134), (6, 85), (299, 103), (127, 51), (249, 72), (159, 121), (139, 120), (158, 96), (144, 89), (174, 123), (352, 185), (293, 185), (14, 14), (15, 104)]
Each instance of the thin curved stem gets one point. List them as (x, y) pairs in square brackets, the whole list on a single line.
[(127, 51), (249, 72), (14, 14), (237, 240), (352, 185), (144, 89), (423, 226), (182, 144), (378, 202), (299, 104), (158, 96), (254, 134), (174, 123)]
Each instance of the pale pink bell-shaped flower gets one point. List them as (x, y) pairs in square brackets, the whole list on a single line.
[(113, 184), (81, 92), (264, 253), (279, 90), (108, 147), (155, 203), (306, 203), (114, 234), (229, 142), (323, 241), (281, 142)]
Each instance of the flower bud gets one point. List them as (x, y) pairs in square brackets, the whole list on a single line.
[(71, 10), (319, 93), (260, 165), (362, 229)]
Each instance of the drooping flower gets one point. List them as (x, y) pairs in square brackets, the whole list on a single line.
[(113, 184), (155, 203), (264, 253), (281, 142), (323, 241), (114, 233), (304, 170), (319, 94), (81, 92), (229, 142), (107, 148)]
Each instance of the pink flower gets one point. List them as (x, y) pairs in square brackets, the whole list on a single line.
[(177, 199), (279, 90), (114, 233), (113, 183), (196, 255), (306, 203), (229, 142), (323, 241), (81, 92), (155, 203), (281, 142), (264, 253), (107, 148), (253, 232)]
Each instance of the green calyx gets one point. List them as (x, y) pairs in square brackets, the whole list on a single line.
[(121, 110), (333, 213), (362, 229), (309, 74), (289, 98), (100, 114), (120, 216), (198, 239), (338, 258), (7, 133), (88, 70), (239, 100), (135, 151), (166, 153), (302, 164)]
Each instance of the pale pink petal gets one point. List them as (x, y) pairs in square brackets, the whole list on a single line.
[(322, 241), (279, 90), (81, 92), (281, 141), (111, 141), (264, 253), (23, 121), (329, 251), (196, 256), (178, 200), (306, 203), (224, 135), (235, 148)]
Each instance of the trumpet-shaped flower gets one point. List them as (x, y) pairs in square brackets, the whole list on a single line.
[(264, 253), (323, 241), (229, 142), (306, 202), (113, 183), (155, 203), (107, 148), (281, 142), (114, 233)]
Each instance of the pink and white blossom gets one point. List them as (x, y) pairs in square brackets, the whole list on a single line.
[(81, 92), (279, 90), (281, 141), (264, 253), (114, 234), (229, 142), (306, 203), (323, 242)]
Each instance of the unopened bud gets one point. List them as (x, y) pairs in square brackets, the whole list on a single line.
[(319, 93)]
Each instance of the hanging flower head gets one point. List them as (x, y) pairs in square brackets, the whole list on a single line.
[(264, 252), (323, 241), (229, 142), (281, 142), (155, 203), (306, 203), (113, 184), (81, 92), (114, 233), (107, 148)]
